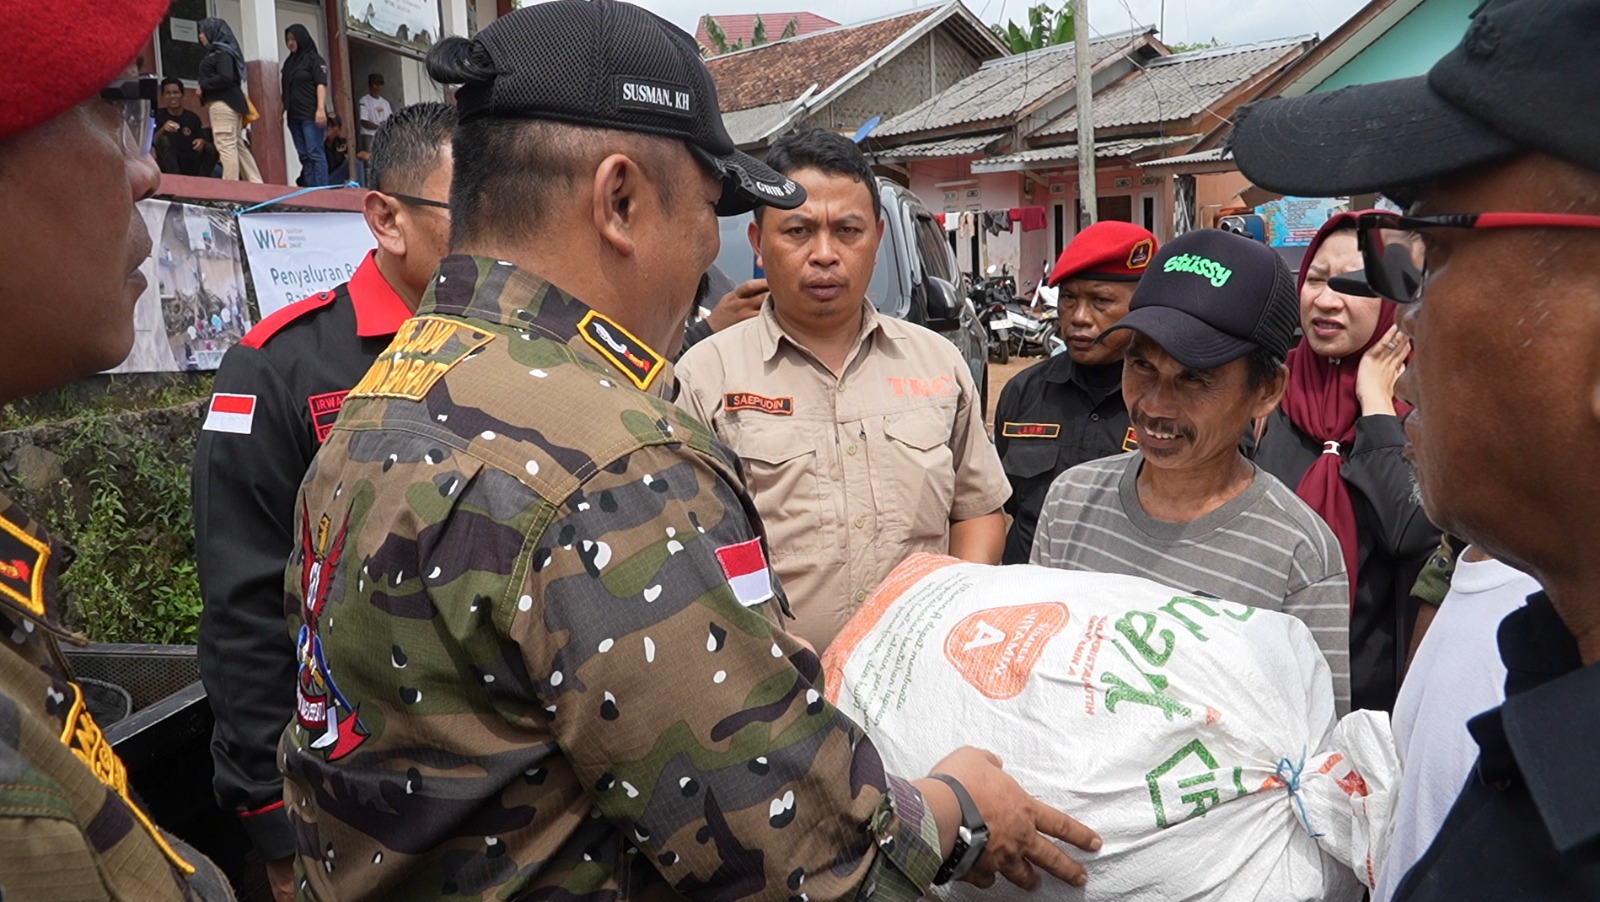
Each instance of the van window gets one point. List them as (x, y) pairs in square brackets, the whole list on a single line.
[(935, 253), (883, 290)]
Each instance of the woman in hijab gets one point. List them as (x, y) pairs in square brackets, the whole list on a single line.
[(222, 94), (1337, 440), (305, 102)]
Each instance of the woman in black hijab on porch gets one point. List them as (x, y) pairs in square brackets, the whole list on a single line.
[(222, 79), (305, 102)]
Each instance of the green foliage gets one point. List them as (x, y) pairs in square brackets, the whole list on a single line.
[(106, 394), (132, 577), (1047, 26), (718, 38), (1197, 45)]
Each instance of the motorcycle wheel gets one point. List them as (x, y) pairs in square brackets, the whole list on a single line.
[(1005, 350)]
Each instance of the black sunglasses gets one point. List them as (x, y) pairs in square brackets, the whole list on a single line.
[(137, 97), (418, 201), (1396, 258)]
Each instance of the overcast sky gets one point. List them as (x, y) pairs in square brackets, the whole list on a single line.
[(1187, 21)]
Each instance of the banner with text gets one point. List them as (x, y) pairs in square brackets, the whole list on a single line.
[(295, 255)]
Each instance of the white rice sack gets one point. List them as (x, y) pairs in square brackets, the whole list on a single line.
[(1170, 724)]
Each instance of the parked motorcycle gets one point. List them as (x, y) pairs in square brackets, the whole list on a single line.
[(1046, 295), (990, 295), (1030, 332)]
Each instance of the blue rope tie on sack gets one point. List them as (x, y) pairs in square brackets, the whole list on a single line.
[(1289, 773), (291, 195)]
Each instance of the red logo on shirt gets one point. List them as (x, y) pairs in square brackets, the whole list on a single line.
[(324, 411)]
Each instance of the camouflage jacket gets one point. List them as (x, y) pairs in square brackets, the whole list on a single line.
[(541, 655), (68, 827)]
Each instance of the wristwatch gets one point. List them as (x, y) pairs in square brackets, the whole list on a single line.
[(971, 836)]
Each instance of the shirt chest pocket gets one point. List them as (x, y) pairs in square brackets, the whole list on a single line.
[(782, 471), (1027, 459), (921, 473)]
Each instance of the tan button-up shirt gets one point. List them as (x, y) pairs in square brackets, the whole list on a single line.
[(850, 473)]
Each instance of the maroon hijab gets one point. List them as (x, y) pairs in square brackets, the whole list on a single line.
[(1321, 403)]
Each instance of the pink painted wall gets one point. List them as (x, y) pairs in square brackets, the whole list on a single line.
[(1026, 252)]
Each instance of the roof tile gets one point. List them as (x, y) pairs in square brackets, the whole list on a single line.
[(782, 70)]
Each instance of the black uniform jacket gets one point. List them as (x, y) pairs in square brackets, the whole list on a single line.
[(290, 373), (1053, 416), (1394, 535), (1526, 825)]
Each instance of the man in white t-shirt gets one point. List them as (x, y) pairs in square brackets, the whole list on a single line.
[(1456, 675), (373, 110)]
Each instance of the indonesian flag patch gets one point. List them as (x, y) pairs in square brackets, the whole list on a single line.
[(746, 568), (231, 413)]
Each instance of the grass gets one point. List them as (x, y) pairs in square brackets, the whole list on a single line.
[(130, 530)]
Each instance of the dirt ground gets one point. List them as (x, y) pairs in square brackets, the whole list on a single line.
[(999, 375)]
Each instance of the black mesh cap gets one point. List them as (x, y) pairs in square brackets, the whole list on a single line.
[(606, 64), (1211, 297)]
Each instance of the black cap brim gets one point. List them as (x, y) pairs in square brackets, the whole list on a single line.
[(1352, 283), (1385, 137), (1188, 339), (748, 183)]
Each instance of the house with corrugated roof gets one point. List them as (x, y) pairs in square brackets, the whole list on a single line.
[(847, 77), (1382, 40), (1004, 141)]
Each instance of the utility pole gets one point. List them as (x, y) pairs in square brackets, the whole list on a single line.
[(1080, 42)]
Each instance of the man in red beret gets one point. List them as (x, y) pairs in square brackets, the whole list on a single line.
[(1068, 409), (75, 134)]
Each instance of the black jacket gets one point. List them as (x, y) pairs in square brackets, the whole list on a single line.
[(294, 368), (1051, 417), (1394, 535), (221, 79)]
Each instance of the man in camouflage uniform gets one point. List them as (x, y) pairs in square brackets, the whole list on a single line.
[(540, 651), (75, 131)]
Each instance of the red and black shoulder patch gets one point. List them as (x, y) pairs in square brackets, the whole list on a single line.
[(283, 316)]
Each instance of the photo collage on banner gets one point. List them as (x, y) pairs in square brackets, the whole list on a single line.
[(195, 305)]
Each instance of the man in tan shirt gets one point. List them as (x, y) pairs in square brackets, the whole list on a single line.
[(861, 435)]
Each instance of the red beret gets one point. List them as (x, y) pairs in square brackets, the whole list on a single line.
[(73, 49), (1110, 250)]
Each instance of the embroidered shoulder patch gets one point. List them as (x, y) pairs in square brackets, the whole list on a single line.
[(424, 349), (743, 400), (83, 737), (22, 560), (745, 566), (230, 413), (324, 411), (616, 344), (1030, 430)]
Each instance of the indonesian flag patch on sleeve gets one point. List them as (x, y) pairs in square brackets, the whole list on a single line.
[(231, 413), (745, 565)]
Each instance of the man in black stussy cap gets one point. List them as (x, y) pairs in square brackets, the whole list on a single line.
[(1496, 155), (1212, 319), (541, 653)]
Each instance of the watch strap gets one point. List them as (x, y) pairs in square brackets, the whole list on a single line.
[(970, 839)]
